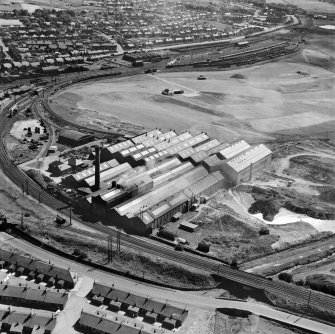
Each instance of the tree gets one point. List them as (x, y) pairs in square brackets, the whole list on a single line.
[(233, 263), (264, 230), (286, 277)]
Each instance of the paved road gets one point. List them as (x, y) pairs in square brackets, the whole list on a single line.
[(181, 298)]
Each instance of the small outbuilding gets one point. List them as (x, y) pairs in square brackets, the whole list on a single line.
[(189, 227), (74, 138)]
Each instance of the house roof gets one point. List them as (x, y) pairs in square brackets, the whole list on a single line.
[(144, 303), (36, 266), (73, 135), (33, 294)]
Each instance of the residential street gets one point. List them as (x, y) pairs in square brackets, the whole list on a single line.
[(87, 275)]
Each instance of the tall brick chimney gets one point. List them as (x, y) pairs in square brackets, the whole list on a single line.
[(97, 168)]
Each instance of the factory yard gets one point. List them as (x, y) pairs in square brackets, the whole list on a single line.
[(278, 98)]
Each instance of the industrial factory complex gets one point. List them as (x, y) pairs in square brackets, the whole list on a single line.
[(141, 183)]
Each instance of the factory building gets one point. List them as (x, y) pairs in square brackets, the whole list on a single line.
[(74, 138), (213, 163), (107, 153), (153, 176), (218, 148), (233, 150), (199, 157), (144, 213), (108, 174), (77, 180), (244, 166), (208, 146)]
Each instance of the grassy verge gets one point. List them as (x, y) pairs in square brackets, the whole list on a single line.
[(302, 309), (321, 282), (297, 262)]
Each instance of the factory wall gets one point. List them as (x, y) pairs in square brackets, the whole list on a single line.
[(247, 173), (166, 217)]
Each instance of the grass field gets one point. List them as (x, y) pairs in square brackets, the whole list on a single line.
[(282, 97), (309, 5)]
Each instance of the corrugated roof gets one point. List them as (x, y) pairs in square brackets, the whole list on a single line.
[(201, 185), (91, 171), (187, 152), (249, 157), (161, 193), (139, 139), (74, 135), (213, 160), (207, 146), (111, 194), (173, 141), (199, 156), (169, 175), (120, 146), (109, 173), (234, 149), (132, 150), (218, 148)]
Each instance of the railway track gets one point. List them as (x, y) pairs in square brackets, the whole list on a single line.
[(292, 292)]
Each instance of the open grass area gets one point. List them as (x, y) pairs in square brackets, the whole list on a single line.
[(272, 99)]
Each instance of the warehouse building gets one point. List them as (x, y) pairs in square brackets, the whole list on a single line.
[(74, 138), (218, 148), (108, 152), (213, 163), (208, 146), (199, 157), (144, 213), (77, 180), (162, 174), (233, 150), (151, 134), (108, 174), (244, 166)]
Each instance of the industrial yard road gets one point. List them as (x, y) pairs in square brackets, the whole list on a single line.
[(172, 296)]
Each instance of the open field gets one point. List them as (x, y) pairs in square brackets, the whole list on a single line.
[(309, 5), (281, 97)]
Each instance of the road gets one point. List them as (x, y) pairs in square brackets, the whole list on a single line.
[(188, 299), (4, 48)]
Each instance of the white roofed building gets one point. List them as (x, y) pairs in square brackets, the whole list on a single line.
[(245, 165)]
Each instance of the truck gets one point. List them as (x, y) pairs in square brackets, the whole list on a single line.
[(167, 92)]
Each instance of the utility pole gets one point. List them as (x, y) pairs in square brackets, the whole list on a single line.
[(39, 197), (21, 221), (110, 248), (309, 298), (70, 216), (118, 240), (22, 187), (27, 184)]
